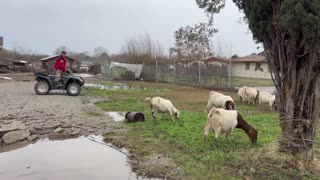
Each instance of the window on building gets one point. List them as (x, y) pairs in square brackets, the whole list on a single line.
[(247, 66), (258, 67)]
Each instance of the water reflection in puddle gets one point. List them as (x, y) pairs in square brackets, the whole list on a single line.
[(108, 87), (116, 116), (6, 78), (82, 158), (118, 86), (84, 75)]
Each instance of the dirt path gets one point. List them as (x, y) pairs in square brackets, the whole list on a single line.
[(39, 116)]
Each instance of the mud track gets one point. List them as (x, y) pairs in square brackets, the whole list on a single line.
[(56, 115)]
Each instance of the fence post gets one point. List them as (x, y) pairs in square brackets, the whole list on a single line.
[(199, 72), (156, 69), (229, 79)]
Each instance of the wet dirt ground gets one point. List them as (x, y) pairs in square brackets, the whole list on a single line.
[(81, 158), (55, 115), (54, 129)]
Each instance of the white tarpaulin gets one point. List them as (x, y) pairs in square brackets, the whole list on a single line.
[(136, 68)]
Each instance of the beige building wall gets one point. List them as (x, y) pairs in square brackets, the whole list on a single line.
[(248, 70)]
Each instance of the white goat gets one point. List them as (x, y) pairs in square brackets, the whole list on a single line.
[(221, 120), (217, 99), (248, 94), (268, 98), (159, 104)]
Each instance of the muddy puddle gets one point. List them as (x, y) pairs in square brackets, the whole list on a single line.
[(84, 75), (118, 86), (81, 158), (108, 87), (6, 78), (116, 116)]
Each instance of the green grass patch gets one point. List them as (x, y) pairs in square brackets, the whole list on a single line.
[(182, 141)]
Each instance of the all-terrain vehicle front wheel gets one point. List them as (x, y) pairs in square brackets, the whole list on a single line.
[(42, 87), (73, 89)]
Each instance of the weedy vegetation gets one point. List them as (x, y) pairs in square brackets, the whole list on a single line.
[(182, 141)]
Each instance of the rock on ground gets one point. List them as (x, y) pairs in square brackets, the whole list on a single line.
[(58, 130), (32, 138), (15, 125), (14, 136)]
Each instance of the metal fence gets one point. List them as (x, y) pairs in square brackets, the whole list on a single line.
[(194, 74)]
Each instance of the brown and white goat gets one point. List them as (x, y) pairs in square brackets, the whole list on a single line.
[(221, 120), (217, 99)]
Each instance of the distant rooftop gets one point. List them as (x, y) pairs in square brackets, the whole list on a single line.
[(249, 58), (55, 56)]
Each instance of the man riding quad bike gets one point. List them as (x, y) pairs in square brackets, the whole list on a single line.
[(63, 80), (72, 84)]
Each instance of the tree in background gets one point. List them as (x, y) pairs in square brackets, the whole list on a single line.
[(142, 49), (60, 49), (234, 56), (20, 53), (193, 42), (98, 51), (290, 33), (101, 54)]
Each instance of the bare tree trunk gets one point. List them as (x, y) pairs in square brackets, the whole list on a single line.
[(296, 75), (298, 95)]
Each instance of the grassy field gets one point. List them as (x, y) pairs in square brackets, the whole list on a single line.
[(178, 146), (222, 82), (251, 82)]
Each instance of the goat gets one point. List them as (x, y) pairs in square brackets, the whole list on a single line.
[(217, 99), (221, 120), (159, 104), (268, 98), (248, 94)]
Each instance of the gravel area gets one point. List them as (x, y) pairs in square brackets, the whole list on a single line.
[(55, 115)]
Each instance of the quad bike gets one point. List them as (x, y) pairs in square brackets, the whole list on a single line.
[(72, 84)]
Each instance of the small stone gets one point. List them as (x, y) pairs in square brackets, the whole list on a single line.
[(57, 136), (14, 136), (42, 131), (66, 126), (58, 130), (37, 126), (52, 125), (16, 125), (32, 138), (75, 132)]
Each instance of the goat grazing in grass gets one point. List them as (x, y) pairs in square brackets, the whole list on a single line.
[(248, 94), (217, 99), (159, 104), (268, 98), (221, 120)]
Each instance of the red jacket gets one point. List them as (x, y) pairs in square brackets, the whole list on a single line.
[(60, 63)]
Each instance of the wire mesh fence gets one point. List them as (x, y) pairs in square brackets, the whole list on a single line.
[(192, 74)]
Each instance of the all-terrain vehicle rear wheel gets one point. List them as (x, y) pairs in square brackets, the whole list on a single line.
[(73, 89), (42, 87)]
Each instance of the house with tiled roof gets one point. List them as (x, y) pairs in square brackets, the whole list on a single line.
[(251, 66)]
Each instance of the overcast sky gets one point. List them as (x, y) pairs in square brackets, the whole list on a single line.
[(82, 25)]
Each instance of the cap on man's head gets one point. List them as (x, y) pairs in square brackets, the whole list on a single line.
[(63, 52)]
